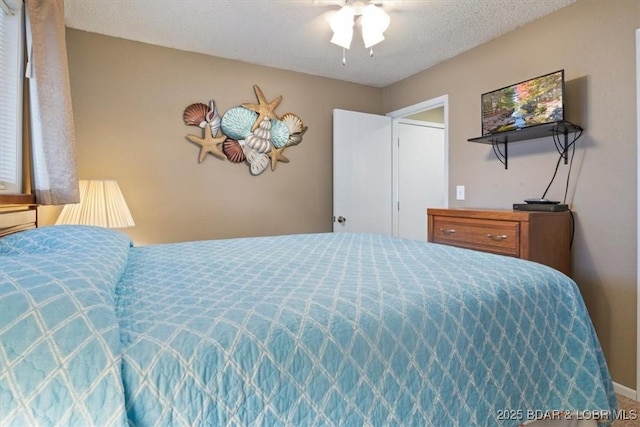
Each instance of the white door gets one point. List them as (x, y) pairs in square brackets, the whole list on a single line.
[(362, 182), (421, 175)]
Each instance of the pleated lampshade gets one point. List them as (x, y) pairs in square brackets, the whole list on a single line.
[(101, 204)]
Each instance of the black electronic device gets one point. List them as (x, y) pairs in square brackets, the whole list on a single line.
[(541, 207), (537, 201)]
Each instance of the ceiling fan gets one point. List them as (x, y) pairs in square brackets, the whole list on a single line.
[(363, 2), (373, 20)]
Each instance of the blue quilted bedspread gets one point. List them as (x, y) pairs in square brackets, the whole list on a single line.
[(305, 330), (59, 339)]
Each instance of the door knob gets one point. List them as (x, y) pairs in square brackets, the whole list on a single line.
[(342, 219)]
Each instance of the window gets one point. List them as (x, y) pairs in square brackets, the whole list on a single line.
[(11, 83)]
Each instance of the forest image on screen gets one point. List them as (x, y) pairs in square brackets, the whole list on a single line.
[(533, 102)]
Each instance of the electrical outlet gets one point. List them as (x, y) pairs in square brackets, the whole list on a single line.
[(459, 192)]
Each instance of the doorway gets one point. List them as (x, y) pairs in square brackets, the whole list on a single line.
[(421, 173), (366, 178), (432, 113)]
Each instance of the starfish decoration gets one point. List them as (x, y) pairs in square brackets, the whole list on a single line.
[(263, 108), (208, 144), (277, 156)]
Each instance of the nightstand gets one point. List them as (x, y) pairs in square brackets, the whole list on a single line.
[(543, 237)]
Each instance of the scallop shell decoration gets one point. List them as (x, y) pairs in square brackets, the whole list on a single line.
[(293, 123), (295, 127), (251, 133), (279, 133), (233, 150), (258, 162), (196, 115), (237, 122)]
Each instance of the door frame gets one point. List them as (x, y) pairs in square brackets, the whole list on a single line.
[(398, 116), (398, 125), (638, 213)]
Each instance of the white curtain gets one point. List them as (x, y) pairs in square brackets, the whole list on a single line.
[(52, 131)]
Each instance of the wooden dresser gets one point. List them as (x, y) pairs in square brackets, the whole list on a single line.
[(544, 237)]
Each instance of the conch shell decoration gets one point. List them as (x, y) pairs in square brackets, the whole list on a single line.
[(249, 133), (260, 139)]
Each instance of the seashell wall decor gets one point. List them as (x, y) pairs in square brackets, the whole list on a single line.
[(249, 133)]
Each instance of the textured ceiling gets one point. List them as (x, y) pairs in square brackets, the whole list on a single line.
[(294, 34)]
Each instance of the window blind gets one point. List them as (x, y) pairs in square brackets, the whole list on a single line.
[(11, 77)]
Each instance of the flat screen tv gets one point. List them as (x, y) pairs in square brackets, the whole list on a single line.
[(533, 102)]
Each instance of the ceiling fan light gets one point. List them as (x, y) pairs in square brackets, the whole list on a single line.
[(342, 19), (375, 19), (343, 38), (342, 25), (374, 22), (371, 37)]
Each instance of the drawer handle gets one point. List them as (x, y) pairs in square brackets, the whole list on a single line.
[(498, 237), (447, 231)]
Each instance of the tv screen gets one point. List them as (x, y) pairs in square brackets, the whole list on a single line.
[(529, 103)]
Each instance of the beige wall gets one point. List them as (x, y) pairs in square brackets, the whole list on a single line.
[(593, 41), (128, 100), (435, 115), (129, 97)]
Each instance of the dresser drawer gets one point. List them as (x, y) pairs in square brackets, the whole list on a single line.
[(543, 237), (502, 237)]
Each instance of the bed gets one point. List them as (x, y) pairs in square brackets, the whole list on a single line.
[(301, 330)]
